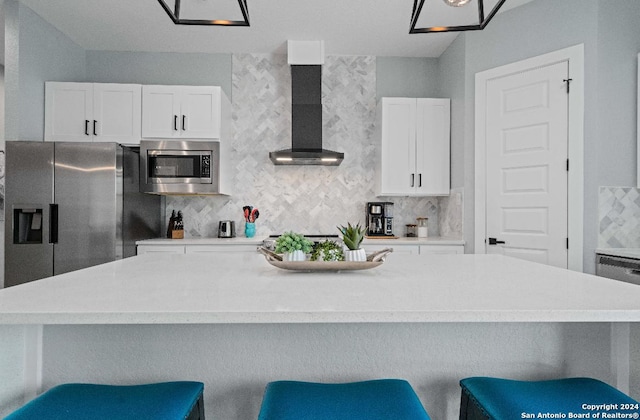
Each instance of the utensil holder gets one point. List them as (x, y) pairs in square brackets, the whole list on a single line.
[(177, 234), (249, 229)]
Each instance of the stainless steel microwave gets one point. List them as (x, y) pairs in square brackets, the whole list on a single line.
[(179, 167)]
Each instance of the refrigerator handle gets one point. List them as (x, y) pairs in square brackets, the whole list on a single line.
[(53, 223)]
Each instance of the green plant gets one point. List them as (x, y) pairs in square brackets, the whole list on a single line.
[(352, 236), (290, 241), (327, 251)]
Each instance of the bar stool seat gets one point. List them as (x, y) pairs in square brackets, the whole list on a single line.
[(382, 399), (498, 399), (160, 401)]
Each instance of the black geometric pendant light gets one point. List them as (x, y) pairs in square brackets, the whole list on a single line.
[(472, 25), (175, 16)]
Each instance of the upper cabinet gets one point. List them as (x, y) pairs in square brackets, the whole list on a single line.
[(413, 147), (172, 112), (99, 112)]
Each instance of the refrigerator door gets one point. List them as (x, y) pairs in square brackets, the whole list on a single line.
[(143, 214), (29, 193), (88, 192)]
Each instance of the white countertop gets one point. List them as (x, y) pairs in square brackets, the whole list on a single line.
[(241, 240), (620, 252), (244, 288)]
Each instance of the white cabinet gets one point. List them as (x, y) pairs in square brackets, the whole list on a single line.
[(99, 112), (209, 249), (192, 112), (397, 249), (441, 249), (160, 249), (413, 153)]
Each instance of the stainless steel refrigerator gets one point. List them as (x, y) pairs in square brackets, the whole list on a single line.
[(71, 206)]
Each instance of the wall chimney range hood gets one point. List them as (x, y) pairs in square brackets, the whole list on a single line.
[(305, 58)]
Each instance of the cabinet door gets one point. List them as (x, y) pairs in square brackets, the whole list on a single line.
[(68, 111), (200, 112), (441, 249), (209, 249), (433, 146), (160, 111), (117, 112), (397, 249), (160, 249), (398, 145)]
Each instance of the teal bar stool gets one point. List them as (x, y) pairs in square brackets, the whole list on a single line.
[(161, 401), (501, 399), (382, 399)]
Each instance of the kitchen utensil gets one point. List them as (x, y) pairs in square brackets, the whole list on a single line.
[(254, 215), (226, 229)]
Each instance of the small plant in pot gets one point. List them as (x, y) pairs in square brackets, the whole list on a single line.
[(293, 246), (352, 237), (327, 251)]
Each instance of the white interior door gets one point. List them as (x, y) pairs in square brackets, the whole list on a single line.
[(526, 164)]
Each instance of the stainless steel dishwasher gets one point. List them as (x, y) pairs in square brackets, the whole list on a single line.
[(618, 268)]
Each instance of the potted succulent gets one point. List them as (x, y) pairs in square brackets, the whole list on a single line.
[(293, 246), (352, 237), (327, 251)]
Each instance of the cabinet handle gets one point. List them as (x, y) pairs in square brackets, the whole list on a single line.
[(175, 123), (413, 178), (420, 180), (95, 123), (184, 122), (53, 223), (86, 127)]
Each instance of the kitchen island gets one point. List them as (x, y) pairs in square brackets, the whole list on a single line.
[(235, 323)]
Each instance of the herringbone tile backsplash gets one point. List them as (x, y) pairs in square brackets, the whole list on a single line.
[(619, 217), (306, 199)]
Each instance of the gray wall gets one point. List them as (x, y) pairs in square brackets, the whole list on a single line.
[(35, 52), (160, 68), (611, 37), (451, 84), (409, 77)]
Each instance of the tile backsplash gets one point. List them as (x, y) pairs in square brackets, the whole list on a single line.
[(307, 199), (619, 217)]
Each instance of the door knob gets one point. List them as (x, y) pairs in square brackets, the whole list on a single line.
[(494, 241)]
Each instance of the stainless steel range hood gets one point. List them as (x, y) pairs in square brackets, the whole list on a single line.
[(306, 115)]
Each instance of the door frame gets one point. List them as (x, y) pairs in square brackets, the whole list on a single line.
[(575, 192)]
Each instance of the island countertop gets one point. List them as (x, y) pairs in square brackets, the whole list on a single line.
[(244, 288)]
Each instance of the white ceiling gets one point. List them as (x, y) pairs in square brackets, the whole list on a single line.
[(348, 27)]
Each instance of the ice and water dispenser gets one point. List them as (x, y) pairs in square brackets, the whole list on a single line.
[(27, 225)]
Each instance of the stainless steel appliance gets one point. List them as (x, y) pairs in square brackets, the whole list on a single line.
[(226, 229), (180, 167), (379, 219), (71, 206), (618, 268)]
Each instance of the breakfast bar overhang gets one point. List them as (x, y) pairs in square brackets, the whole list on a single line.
[(235, 322)]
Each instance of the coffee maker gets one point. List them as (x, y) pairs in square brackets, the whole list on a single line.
[(380, 219)]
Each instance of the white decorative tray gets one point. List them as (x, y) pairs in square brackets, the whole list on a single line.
[(373, 260)]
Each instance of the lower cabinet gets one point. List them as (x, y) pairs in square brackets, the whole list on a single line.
[(397, 249), (210, 249), (369, 248), (160, 249), (441, 249)]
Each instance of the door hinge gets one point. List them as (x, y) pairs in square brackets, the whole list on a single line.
[(567, 165), (568, 82)]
